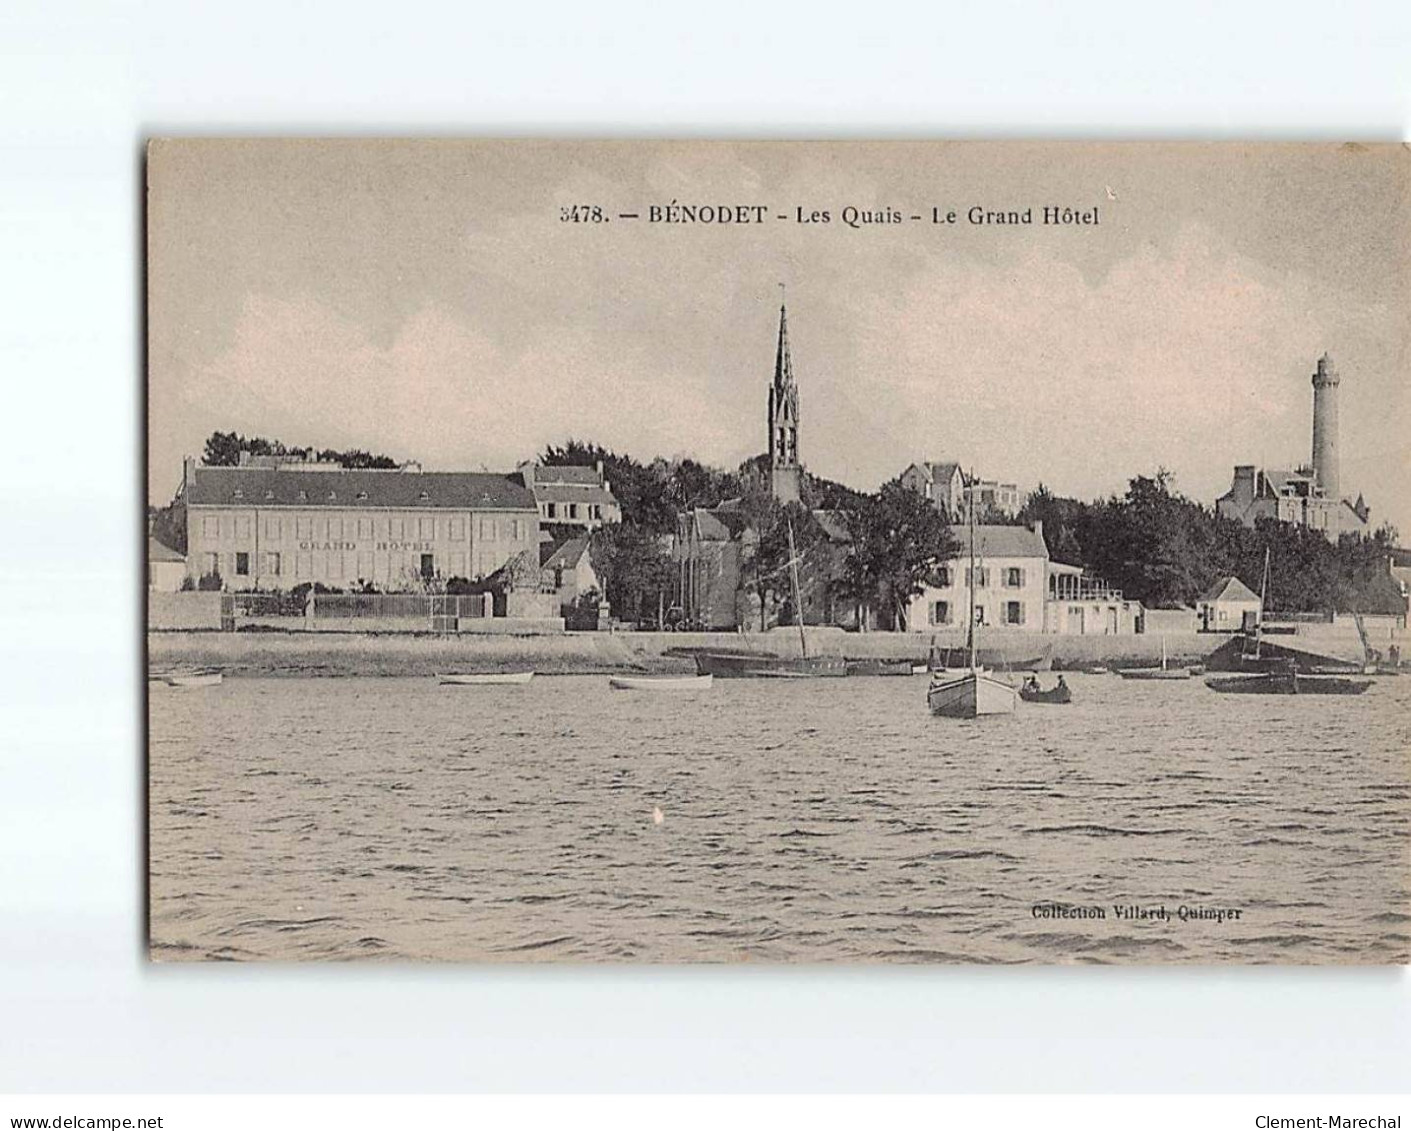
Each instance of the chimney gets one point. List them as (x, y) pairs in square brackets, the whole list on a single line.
[(1039, 530)]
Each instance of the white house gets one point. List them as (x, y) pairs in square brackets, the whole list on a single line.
[(1011, 580), (1017, 587), (1225, 606)]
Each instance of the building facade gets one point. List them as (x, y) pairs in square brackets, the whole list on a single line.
[(1305, 496), (571, 496), (952, 491), (1228, 605), (274, 527), (1018, 588)]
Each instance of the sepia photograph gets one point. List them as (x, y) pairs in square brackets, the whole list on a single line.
[(868, 552)]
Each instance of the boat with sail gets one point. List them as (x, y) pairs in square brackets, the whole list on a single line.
[(736, 664), (972, 691)]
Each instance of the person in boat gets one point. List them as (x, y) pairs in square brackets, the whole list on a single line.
[(1032, 683), (1062, 686)]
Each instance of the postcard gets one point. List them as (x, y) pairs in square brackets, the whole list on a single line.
[(778, 552)]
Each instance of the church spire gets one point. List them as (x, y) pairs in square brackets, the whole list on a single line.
[(784, 468)]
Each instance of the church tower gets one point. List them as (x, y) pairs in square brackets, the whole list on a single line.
[(784, 471), (1325, 427)]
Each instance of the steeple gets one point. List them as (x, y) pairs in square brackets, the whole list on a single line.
[(784, 468)]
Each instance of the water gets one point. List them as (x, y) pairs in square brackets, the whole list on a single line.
[(802, 821)]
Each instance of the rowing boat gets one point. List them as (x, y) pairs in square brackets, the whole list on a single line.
[(660, 682), (476, 679)]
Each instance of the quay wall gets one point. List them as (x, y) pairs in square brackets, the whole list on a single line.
[(355, 653)]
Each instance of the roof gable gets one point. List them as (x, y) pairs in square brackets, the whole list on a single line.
[(1230, 589)]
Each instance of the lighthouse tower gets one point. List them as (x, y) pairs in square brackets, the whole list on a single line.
[(784, 468), (1325, 427)]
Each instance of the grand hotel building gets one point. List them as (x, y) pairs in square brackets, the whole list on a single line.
[(272, 525)]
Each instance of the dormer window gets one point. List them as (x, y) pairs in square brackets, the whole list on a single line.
[(362, 496), (424, 497), (269, 495), (332, 495), (304, 496), (239, 494)]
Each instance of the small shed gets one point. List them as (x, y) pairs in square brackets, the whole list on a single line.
[(166, 568), (1228, 605)]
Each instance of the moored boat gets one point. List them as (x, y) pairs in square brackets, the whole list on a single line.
[(660, 682), (1163, 672), (190, 679), (481, 678), (1288, 682), (970, 692)]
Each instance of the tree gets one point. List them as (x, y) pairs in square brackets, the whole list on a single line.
[(634, 568), (899, 543), (223, 450)]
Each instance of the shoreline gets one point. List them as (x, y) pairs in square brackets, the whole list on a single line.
[(303, 654)]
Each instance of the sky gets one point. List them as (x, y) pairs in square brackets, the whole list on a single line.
[(426, 300)]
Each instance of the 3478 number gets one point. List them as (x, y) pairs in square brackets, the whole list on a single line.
[(582, 214)]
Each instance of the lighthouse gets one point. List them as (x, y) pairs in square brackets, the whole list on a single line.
[(1325, 427)]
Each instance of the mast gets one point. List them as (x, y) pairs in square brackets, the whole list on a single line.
[(798, 599), (970, 617), (1263, 594)]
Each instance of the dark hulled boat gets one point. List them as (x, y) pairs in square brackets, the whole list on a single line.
[(738, 665), (1033, 693), (1287, 682)]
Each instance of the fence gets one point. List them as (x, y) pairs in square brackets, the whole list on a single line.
[(438, 612)]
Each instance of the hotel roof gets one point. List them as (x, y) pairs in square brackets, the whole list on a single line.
[(279, 487)]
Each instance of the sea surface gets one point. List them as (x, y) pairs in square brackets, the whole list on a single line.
[(829, 820)]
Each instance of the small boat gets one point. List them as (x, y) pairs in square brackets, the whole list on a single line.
[(882, 667), (660, 682), (477, 679), (1033, 693), (920, 669), (972, 691), (1288, 682), (189, 679), (1097, 669), (1163, 672)]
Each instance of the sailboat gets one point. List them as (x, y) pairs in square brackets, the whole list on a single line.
[(1163, 672), (971, 691), (759, 665), (1278, 675)]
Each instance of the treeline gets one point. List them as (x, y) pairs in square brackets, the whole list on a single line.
[(1164, 550), (878, 552), (223, 450)]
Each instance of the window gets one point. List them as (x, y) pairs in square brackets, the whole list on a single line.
[(1014, 578), (487, 529), (364, 565), (396, 528), (456, 531), (335, 529), (242, 527), (551, 510), (980, 617), (365, 528), (304, 527), (940, 612), (595, 511), (272, 526), (485, 562), (457, 563), (303, 566), (944, 578), (210, 527), (242, 564), (982, 577), (573, 510), (273, 564), (335, 564), (1014, 612), (428, 565), (210, 565), (426, 528)]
